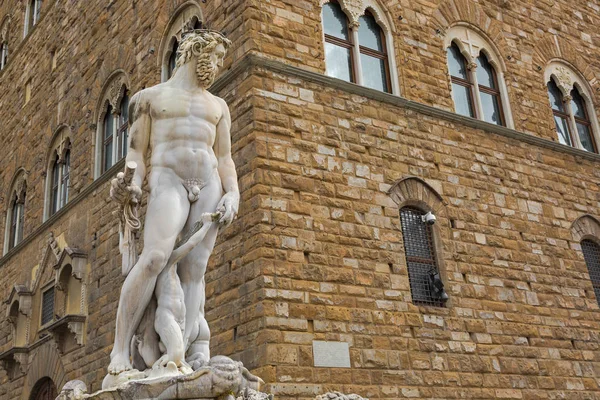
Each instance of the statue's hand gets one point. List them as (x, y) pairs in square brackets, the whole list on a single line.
[(123, 193), (228, 207)]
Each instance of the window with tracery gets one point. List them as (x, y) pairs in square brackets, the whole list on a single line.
[(426, 286), (573, 112), (591, 254), (356, 51), (477, 81)]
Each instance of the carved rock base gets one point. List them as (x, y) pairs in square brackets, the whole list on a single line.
[(221, 378)]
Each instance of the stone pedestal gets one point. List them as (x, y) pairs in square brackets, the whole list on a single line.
[(221, 378)]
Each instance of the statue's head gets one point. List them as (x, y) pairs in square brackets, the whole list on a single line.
[(208, 48)]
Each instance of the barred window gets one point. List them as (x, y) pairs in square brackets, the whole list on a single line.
[(48, 306), (423, 273), (591, 254)]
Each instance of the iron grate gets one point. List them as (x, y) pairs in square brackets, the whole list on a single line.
[(591, 254), (48, 306), (420, 257)]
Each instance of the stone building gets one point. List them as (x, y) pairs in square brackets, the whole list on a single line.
[(352, 119)]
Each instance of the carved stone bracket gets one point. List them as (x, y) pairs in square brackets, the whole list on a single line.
[(21, 294), (14, 361), (68, 325)]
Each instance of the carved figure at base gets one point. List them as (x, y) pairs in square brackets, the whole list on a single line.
[(193, 191)]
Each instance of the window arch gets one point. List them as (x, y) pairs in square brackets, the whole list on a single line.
[(15, 213), (58, 175), (477, 76), (112, 123), (187, 16), (32, 14), (358, 44), (418, 204), (572, 107)]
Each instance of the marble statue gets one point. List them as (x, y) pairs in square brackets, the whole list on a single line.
[(182, 133)]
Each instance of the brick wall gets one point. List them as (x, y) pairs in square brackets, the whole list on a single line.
[(317, 252)]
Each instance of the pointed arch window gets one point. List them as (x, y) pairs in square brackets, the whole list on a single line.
[(462, 85), (426, 285), (582, 121), (186, 18), (491, 104), (358, 50), (15, 215), (115, 127), (561, 115), (59, 186), (591, 254), (373, 54), (339, 58), (17, 218), (45, 389), (572, 108)]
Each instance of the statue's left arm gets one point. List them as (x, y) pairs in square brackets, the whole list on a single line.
[(229, 203)]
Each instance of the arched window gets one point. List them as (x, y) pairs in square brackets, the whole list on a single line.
[(476, 75), (338, 45), (15, 214), (491, 106), (61, 170), (591, 254), (582, 121), (358, 48), (423, 272), (373, 54), (3, 55), (172, 59), (572, 108), (561, 116), (462, 87), (187, 17), (113, 123), (44, 389), (34, 9)]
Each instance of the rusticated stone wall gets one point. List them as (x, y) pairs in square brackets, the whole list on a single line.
[(317, 252)]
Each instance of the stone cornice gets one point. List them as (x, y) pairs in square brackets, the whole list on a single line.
[(253, 60)]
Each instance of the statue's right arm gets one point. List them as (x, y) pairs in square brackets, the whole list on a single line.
[(139, 134)]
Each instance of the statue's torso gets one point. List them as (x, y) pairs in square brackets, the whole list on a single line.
[(183, 131)]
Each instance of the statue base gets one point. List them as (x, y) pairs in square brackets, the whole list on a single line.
[(222, 378)]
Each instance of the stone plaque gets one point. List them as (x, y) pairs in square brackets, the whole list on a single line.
[(331, 354)]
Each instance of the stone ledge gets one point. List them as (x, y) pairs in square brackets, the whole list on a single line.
[(253, 60)]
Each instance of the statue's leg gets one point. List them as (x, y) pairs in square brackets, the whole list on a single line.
[(167, 212), (191, 273)]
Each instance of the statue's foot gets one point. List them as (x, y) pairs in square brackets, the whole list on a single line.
[(118, 364)]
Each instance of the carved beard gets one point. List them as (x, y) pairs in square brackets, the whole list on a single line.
[(205, 72)]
